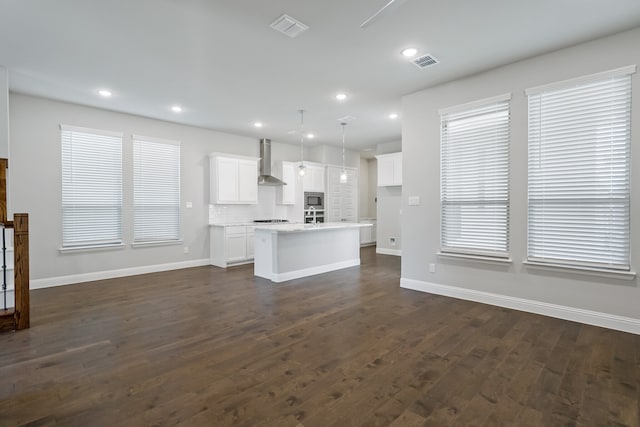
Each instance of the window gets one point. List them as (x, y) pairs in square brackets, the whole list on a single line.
[(579, 152), (91, 187), (474, 178), (156, 190)]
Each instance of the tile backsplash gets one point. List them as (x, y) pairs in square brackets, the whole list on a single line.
[(265, 209)]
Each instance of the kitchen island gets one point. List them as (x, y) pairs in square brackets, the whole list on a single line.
[(290, 251)]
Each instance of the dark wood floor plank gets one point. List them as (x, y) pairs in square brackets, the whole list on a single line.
[(209, 346)]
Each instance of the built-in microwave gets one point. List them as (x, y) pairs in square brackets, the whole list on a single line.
[(315, 200)]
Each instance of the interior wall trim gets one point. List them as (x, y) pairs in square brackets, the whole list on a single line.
[(595, 318), (297, 274), (385, 251), (112, 274)]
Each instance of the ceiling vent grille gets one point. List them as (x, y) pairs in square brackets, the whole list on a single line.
[(289, 26), (346, 119), (425, 61)]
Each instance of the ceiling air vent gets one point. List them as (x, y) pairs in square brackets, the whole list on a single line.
[(288, 26), (425, 61), (346, 119)]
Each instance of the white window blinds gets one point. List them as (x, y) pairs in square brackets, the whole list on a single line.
[(474, 178), (91, 187), (579, 152), (156, 190)]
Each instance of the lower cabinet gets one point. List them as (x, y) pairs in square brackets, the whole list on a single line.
[(250, 240), (368, 234), (231, 245)]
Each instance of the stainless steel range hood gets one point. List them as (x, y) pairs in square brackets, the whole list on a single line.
[(265, 177)]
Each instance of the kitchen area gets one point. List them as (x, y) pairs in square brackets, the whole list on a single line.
[(292, 221)]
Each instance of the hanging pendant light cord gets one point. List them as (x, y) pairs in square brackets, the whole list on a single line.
[(343, 161), (301, 137)]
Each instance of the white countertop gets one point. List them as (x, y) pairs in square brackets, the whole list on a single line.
[(250, 223), (297, 228), (231, 224)]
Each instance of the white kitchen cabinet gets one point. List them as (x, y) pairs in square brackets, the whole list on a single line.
[(236, 249), (341, 199), (368, 234), (313, 179), (231, 245), (250, 242), (247, 181), (286, 194), (233, 179), (389, 169)]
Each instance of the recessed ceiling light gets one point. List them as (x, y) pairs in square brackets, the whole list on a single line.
[(105, 93), (176, 109), (393, 116), (341, 96), (310, 136), (258, 124), (409, 52)]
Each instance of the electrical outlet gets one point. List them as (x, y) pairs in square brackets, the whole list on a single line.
[(413, 201), (432, 268), (189, 205), (186, 249), (392, 241)]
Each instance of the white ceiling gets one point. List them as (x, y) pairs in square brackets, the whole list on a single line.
[(220, 60)]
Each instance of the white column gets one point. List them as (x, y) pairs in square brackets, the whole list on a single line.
[(4, 139), (4, 113)]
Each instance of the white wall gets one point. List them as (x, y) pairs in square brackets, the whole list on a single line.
[(36, 177), (373, 187), (4, 113), (363, 188), (420, 146), (389, 209), (331, 155), (389, 147), (4, 132)]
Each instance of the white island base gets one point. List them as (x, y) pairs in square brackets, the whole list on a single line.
[(291, 251)]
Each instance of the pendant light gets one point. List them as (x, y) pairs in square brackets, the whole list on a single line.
[(343, 175), (302, 169)]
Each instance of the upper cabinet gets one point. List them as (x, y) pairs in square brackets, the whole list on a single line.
[(286, 194), (389, 169), (233, 179), (313, 179)]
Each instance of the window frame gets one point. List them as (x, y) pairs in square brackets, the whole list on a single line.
[(159, 240), (67, 172), (502, 104), (579, 84)]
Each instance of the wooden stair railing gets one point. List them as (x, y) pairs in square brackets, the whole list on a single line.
[(19, 317)]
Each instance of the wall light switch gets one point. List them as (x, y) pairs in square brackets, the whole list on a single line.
[(432, 268), (413, 201), (189, 205)]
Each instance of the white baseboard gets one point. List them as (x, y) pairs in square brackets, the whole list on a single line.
[(290, 275), (385, 251), (611, 321), (112, 274)]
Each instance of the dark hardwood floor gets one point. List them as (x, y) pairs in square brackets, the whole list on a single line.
[(214, 347)]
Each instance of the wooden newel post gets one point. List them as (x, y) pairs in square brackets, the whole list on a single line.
[(3, 190), (21, 269)]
